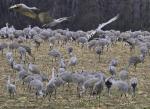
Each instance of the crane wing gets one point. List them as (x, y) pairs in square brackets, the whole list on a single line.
[(108, 22), (56, 21), (91, 35), (44, 17), (29, 14)]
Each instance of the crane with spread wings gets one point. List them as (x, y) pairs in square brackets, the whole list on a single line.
[(37, 14), (91, 33)]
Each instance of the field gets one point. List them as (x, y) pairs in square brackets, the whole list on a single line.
[(67, 99)]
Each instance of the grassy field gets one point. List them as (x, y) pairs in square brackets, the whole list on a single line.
[(87, 60)]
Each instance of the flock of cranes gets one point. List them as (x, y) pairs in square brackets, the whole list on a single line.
[(33, 79), (94, 82)]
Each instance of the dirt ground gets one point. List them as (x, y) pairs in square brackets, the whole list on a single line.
[(67, 99)]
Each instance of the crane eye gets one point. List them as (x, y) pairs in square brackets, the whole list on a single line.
[(17, 7)]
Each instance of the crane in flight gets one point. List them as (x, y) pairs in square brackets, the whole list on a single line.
[(91, 33), (37, 14)]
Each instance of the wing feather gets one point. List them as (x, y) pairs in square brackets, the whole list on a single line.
[(108, 22), (30, 14), (44, 17), (54, 22), (90, 36)]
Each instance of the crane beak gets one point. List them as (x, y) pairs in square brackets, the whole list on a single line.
[(12, 7)]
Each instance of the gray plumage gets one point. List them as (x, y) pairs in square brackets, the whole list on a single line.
[(33, 68), (91, 35), (21, 39), (37, 41), (114, 62), (66, 76), (53, 83), (44, 35), (52, 40), (10, 61), (50, 88), (123, 75), (133, 85), (92, 44), (55, 22), (62, 63), (22, 74), (69, 50), (112, 70), (22, 52), (78, 79), (44, 77), (61, 70), (82, 40), (18, 33), (131, 42), (13, 46), (89, 84), (3, 46), (73, 61), (102, 42), (99, 75), (9, 55), (59, 82), (28, 50), (17, 67), (37, 85), (11, 36), (98, 51), (134, 60), (54, 53), (32, 12), (122, 86), (144, 50), (98, 87), (11, 88), (27, 79)]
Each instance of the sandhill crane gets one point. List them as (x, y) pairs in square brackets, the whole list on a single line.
[(29, 51), (89, 84), (3, 46), (123, 74), (35, 13), (113, 62), (98, 88), (22, 52), (109, 83), (123, 87), (98, 51), (54, 53), (73, 61), (62, 63), (133, 85), (37, 85), (33, 68), (91, 34), (11, 88), (53, 83), (112, 70), (134, 60)]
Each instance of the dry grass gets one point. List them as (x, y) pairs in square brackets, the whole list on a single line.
[(88, 60)]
